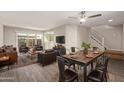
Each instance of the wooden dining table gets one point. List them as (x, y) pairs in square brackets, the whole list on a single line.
[(84, 60)]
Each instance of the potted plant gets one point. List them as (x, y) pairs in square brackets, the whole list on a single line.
[(85, 47)]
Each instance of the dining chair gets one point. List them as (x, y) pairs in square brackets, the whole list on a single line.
[(67, 63), (99, 74), (102, 65), (73, 49), (65, 74)]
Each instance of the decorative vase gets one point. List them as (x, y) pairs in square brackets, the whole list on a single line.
[(85, 51), (95, 48)]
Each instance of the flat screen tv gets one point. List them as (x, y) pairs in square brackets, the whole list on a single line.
[(60, 39)]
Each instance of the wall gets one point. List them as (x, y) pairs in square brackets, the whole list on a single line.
[(71, 36), (1, 34), (75, 35), (112, 34), (10, 34), (123, 37), (59, 31), (82, 35)]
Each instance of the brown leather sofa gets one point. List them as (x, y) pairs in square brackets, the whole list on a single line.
[(47, 58), (12, 54), (60, 49)]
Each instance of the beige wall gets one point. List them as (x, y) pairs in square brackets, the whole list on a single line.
[(123, 37), (1, 34), (71, 36), (10, 34), (113, 36), (74, 35), (82, 35), (59, 31)]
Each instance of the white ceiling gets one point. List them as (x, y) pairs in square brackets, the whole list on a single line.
[(44, 20)]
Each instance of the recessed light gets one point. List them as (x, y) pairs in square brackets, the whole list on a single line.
[(110, 20)]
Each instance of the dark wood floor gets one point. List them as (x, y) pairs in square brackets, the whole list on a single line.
[(37, 73)]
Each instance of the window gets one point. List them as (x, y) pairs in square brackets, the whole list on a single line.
[(29, 40), (49, 39)]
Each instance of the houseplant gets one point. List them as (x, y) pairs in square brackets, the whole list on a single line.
[(85, 47)]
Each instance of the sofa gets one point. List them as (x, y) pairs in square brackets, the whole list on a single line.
[(23, 49), (61, 50), (9, 51), (38, 48), (46, 58)]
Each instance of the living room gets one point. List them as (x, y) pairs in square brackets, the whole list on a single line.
[(36, 37), (61, 46)]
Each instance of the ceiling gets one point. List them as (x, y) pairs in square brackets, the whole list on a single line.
[(44, 20)]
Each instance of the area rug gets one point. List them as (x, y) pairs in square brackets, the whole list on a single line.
[(23, 60)]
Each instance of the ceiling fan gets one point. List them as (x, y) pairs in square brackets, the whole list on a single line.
[(82, 16)]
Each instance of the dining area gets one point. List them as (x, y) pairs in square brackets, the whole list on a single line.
[(91, 65)]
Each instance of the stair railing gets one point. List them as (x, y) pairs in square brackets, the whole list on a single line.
[(97, 40)]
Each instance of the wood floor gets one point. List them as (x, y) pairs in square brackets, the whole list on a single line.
[(31, 73), (37, 73)]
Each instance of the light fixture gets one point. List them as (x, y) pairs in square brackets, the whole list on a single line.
[(110, 20), (82, 20)]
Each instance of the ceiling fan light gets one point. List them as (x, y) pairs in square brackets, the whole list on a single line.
[(82, 20)]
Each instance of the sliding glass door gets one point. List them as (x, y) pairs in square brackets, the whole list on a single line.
[(30, 40), (45, 39)]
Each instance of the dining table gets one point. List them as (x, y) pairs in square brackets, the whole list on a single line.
[(84, 60)]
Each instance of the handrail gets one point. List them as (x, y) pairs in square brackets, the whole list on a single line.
[(96, 37), (99, 39), (96, 40), (93, 31)]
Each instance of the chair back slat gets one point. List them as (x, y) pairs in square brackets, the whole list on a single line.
[(103, 63), (72, 49)]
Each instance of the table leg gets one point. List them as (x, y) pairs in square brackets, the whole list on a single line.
[(85, 73), (91, 66), (8, 67)]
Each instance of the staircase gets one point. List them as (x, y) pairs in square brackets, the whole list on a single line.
[(97, 40)]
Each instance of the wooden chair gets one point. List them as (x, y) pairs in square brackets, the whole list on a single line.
[(102, 66), (65, 75), (67, 63), (73, 49), (99, 73)]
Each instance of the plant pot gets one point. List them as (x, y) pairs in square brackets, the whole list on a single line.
[(85, 51), (95, 48)]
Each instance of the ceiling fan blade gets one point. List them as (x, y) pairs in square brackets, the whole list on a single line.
[(97, 15)]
